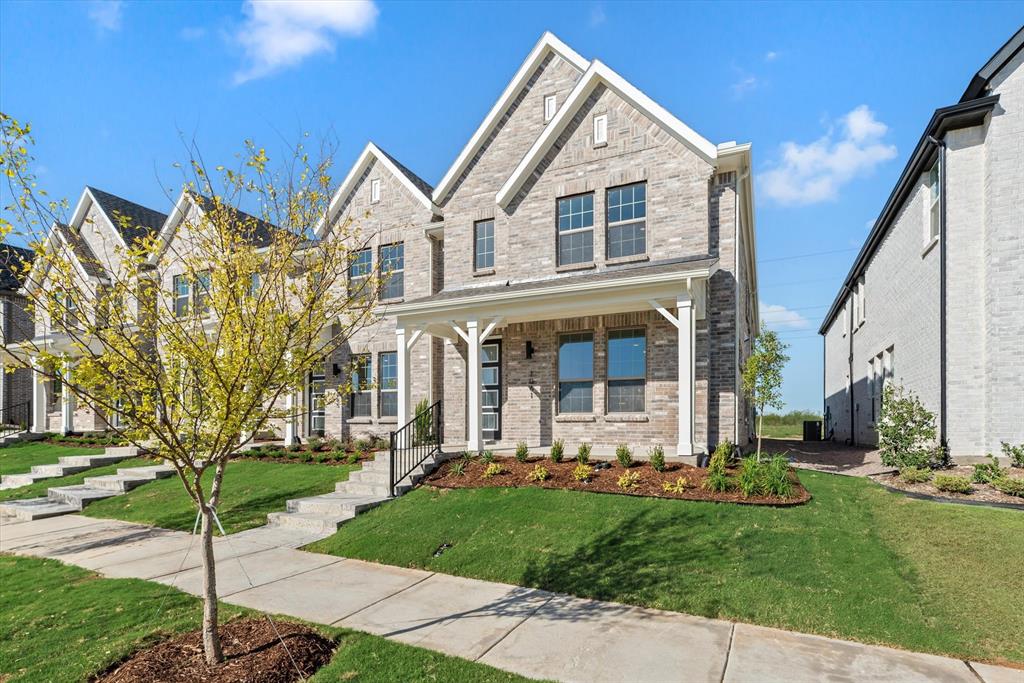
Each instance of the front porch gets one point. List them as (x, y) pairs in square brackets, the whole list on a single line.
[(603, 358)]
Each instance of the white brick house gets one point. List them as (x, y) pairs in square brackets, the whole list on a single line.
[(935, 299)]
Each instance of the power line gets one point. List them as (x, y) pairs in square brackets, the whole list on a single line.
[(814, 253), (800, 282)]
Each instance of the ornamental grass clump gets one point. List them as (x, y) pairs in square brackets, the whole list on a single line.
[(488, 457), (717, 481), (657, 457), (458, 468), (750, 477), (557, 450), (624, 455), (583, 453), (776, 480), (522, 451), (539, 473)]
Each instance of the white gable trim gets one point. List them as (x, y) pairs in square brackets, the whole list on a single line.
[(82, 207), (37, 273), (547, 43), (370, 152), (596, 75), (171, 225)]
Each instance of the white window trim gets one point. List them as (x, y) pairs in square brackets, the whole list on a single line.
[(601, 130), (374, 190), (550, 107)]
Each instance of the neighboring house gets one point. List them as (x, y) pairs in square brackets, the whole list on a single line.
[(101, 225), (585, 270), (935, 299), (15, 326)]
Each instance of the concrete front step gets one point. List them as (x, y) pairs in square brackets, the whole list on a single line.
[(78, 496), (306, 522), (30, 509), (376, 490), (91, 460), (62, 470), (66, 465), (333, 504)]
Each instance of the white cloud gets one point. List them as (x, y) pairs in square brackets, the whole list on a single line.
[(106, 15), (771, 56), (781, 318), (597, 16), (814, 172), (743, 86), (278, 34)]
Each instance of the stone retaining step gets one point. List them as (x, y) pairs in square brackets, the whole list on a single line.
[(30, 509), (307, 522), (68, 464)]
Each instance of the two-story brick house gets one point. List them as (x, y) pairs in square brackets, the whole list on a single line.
[(935, 299), (15, 326), (585, 270)]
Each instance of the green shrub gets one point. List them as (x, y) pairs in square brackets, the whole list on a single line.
[(306, 456), (582, 472), (629, 480), (488, 457), (624, 455), (1011, 486), (776, 480), (423, 428), (657, 458), (721, 457), (315, 443), (352, 458), (987, 472), (458, 468), (333, 444), (583, 454), (677, 486), (323, 457), (493, 469), (363, 445), (751, 477), (952, 483), (557, 450), (1014, 453), (539, 473), (915, 475), (294, 448), (522, 451), (906, 432)]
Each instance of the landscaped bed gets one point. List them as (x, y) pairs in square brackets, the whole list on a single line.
[(960, 483), (676, 480)]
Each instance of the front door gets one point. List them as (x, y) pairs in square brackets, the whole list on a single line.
[(490, 385), (317, 414)]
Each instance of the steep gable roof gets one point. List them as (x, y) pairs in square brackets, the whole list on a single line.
[(979, 84), (547, 44), (417, 187), (142, 220), (600, 74), (12, 263)]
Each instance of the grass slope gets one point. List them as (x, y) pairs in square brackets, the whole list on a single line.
[(60, 623), (39, 488), (19, 458), (251, 490), (857, 562)]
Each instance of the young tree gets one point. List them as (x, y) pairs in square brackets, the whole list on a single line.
[(192, 377), (762, 377)]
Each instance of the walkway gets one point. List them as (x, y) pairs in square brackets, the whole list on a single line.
[(527, 631), (828, 456)]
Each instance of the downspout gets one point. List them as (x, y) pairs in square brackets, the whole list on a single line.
[(941, 146), (853, 417)]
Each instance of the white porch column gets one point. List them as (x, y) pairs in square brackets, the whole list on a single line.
[(473, 421), (291, 420), (67, 401), (685, 313), (402, 356), (38, 400)]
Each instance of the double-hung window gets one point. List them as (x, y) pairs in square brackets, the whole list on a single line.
[(362, 378), (483, 244), (359, 270), (201, 293), (182, 294), (388, 361), (627, 370), (576, 229), (392, 266), (934, 192), (576, 373), (627, 220)]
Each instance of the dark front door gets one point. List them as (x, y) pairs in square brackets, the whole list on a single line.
[(490, 385)]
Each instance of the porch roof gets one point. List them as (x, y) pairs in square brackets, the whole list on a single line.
[(615, 290)]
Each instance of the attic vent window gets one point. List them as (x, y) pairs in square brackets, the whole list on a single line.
[(727, 178), (375, 190), (601, 130), (550, 107)]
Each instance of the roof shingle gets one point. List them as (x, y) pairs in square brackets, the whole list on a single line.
[(142, 221)]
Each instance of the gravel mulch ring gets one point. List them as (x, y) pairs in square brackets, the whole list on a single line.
[(252, 651), (603, 480), (981, 493)]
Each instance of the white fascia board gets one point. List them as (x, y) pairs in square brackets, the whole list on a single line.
[(79, 215), (34, 279), (598, 74), (370, 152), (170, 225), (547, 43)]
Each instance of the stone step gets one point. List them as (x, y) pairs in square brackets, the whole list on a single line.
[(77, 496), (87, 461), (62, 470), (148, 473), (117, 483), (333, 504), (35, 508), (122, 451), (356, 488), (13, 481), (300, 521)]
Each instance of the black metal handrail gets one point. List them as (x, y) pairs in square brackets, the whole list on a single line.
[(414, 443), (16, 418)]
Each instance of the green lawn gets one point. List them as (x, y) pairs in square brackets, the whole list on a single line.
[(785, 431), (857, 562), (61, 623), (19, 458), (251, 490), (39, 488)]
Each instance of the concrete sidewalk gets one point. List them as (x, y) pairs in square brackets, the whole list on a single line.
[(527, 631)]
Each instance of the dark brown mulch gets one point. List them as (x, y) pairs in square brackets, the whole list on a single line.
[(984, 493), (252, 650), (604, 480)]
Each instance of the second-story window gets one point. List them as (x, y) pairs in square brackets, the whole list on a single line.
[(576, 229), (202, 293), (392, 269), (483, 245), (362, 379), (182, 294), (627, 220), (935, 189), (359, 270)]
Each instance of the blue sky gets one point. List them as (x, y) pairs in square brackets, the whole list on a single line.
[(832, 96)]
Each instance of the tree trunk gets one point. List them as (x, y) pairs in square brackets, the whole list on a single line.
[(760, 431), (211, 637)]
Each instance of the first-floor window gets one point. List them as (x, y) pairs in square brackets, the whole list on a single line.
[(362, 379), (576, 373), (388, 362), (627, 370)]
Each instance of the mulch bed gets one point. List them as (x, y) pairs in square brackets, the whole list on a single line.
[(252, 650), (603, 480), (981, 493)]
